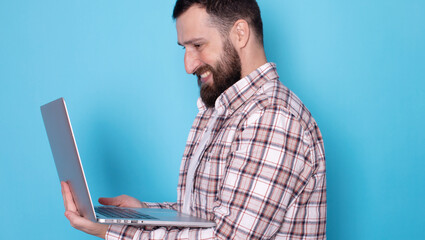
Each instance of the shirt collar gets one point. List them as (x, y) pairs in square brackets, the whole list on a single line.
[(242, 90)]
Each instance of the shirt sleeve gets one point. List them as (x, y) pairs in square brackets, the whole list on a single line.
[(266, 172), (125, 232), (166, 205)]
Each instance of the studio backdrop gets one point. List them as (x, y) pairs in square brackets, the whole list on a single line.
[(359, 66)]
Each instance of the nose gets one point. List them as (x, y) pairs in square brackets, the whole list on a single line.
[(191, 62)]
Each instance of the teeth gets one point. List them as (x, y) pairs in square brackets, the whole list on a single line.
[(206, 74)]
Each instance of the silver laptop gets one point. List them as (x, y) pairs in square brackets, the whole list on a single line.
[(70, 169)]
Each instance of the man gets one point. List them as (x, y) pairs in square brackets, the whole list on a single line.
[(254, 161)]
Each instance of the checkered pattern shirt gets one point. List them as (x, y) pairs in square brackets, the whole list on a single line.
[(262, 173)]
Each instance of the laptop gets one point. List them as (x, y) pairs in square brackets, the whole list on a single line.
[(70, 169)]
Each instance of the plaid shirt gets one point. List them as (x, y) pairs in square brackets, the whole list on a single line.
[(262, 173)]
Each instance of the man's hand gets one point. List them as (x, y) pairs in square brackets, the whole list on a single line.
[(75, 218), (123, 201), (87, 226)]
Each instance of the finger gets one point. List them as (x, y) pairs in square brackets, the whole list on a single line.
[(63, 193), (67, 197), (86, 225), (63, 186), (122, 201), (119, 201), (77, 221), (115, 201)]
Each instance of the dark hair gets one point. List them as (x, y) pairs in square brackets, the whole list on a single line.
[(225, 13)]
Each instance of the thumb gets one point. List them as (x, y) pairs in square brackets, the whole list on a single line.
[(86, 225), (115, 201), (76, 220)]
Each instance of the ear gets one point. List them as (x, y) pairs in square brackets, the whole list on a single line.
[(240, 33)]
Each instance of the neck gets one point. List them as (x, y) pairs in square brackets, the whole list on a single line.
[(252, 59)]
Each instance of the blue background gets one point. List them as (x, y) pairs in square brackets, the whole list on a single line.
[(359, 66)]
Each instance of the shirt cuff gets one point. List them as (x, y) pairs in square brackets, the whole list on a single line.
[(168, 205), (120, 232)]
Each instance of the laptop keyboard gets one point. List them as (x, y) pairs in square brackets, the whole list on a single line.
[(122, 213)]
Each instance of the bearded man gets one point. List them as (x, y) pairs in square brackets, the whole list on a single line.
[(254, 160)]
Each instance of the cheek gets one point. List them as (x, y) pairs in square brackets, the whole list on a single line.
[(210, 58)]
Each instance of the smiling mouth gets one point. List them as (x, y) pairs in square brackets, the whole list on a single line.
[(204, 76)]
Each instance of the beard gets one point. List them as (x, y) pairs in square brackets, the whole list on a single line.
[(226, 73)]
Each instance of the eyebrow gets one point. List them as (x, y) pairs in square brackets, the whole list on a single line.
[(191, 41)]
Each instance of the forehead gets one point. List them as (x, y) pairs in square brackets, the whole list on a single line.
[(193, 24)]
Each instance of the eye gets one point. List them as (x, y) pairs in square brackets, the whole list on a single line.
[(197, 45)]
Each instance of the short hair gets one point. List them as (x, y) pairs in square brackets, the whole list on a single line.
[(225, 13)]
